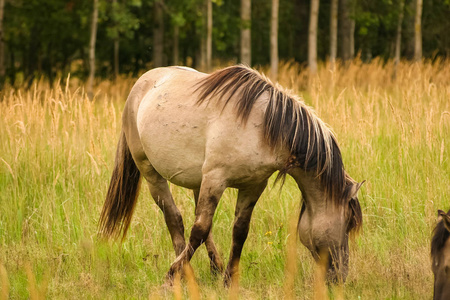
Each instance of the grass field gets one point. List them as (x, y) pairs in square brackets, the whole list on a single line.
[(56, 157)]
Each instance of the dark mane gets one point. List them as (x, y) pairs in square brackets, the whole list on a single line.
[(440, 236), (288, 121)]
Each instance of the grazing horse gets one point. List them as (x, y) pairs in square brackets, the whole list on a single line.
[(440, 257), (232, 128)]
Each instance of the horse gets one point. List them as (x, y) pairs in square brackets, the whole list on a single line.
[(440, 257), (231, 128)]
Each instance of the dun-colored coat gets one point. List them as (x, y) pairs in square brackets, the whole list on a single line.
[(232, 128)]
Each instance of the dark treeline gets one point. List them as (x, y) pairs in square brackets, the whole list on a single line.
[(52, 37)]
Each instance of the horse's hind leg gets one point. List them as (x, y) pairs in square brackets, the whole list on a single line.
[(160, 192), (246, 201), (216, 263)]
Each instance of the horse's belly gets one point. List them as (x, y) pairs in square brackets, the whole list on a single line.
[(173, 140)]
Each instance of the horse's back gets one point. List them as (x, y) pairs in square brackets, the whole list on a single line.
[(182, 140)]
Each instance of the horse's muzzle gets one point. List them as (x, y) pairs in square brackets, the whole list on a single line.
[(337, 266)]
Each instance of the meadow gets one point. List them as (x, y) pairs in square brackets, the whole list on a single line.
[(57, 152)]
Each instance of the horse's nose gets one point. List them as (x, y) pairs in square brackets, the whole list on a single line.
[(337, 267)]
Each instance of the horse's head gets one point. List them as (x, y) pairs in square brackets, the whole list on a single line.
[(440, 256), (324, 225)]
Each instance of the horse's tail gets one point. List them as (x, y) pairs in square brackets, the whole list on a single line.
[(122, 194)]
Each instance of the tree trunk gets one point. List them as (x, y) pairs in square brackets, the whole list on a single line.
[(12, 67), (274, 41), (2, 45), (333, 32), (301, 12), (31, 56), (312, 37), (351, 32), (202, 54), (408, 30), (116, 58), (398, 38), (92, 50), (418, 32), (158, 35), (209, 25), (351, 38), (48, 62), (116, 49), (176, 34), (345, 28), (246, 48)]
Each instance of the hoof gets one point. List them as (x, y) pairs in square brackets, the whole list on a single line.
[(167, 285), (227, 280), (171, 276), (216, 268), (168, 282), (231, 279), (172, 279), (175, 268)]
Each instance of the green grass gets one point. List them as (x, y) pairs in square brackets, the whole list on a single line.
[(56, 157)]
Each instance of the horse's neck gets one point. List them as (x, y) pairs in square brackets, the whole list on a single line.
[(309, 185)]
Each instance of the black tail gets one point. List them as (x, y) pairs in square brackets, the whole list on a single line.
[(122, 194)]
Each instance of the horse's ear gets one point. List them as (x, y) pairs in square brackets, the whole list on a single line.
[(355, 188), (445, 219)]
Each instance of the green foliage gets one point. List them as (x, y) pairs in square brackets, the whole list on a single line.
[(178, 19), (51, 37), (123, 22)]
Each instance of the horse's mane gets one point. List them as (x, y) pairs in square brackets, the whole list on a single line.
[(440, 236), (288, 121)]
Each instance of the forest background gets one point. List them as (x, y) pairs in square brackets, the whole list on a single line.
[(108, 37)]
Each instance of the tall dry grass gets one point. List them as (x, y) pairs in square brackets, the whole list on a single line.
[(57, 152)]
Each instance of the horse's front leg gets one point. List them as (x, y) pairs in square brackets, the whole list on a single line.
[(247, 199), (211, 190)]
